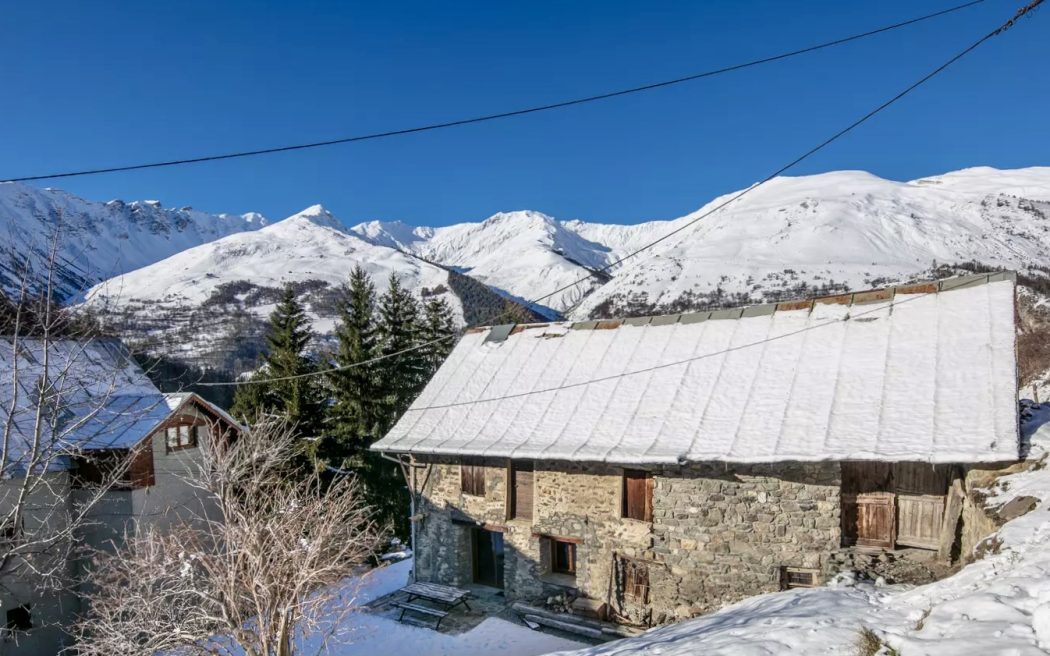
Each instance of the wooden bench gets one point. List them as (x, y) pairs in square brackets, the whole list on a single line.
[(422, 610)]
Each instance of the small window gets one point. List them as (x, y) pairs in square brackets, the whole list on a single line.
[(10, 533), (182, 437), (472, 478), (172, 437), (521, 477), (797, 577), (635, 580), (19, 619), (637, 495), (563, 557), (202, 434)]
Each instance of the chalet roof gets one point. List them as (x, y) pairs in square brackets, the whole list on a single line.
[(176, 400), (923, 372), (101, 398)]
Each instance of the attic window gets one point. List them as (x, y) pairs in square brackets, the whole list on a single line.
[(797, 577), (181, 437)]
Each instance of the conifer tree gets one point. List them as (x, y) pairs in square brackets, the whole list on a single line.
[(437, 331), (355, 411), (299, 399), (403, 372)]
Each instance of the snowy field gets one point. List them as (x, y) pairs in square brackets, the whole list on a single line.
[(364, 634), (997, 605)]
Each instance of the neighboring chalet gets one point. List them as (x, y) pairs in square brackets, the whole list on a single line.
[(106, 411), (664, 466)]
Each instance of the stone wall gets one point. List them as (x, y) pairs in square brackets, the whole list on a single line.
[(718, 534)]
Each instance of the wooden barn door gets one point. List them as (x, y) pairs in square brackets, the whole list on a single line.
[(919, 520), (921, 490), (870, 519)]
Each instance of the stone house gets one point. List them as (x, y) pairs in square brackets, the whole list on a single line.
[(664, 466), (109, 414)]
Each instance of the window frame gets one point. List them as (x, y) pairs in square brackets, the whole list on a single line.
[(513, 506), (182, 435), (647, 503), (570, 568)]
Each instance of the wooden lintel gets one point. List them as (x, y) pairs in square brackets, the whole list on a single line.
[(560, 538)]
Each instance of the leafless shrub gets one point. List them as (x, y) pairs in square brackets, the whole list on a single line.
[(261, 569), (54, 389)]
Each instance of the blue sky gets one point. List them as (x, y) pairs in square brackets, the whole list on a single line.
[(107, 83)]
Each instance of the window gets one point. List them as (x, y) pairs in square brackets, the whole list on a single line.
[(182, 437), (520, 491), (10, 533), (472, 478), (563, 557), (634, 580), (19, 619), (637, 495), (797, 577)]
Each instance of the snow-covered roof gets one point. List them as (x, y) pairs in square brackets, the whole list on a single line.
[(924, 372), (176, 400), (100, 397)]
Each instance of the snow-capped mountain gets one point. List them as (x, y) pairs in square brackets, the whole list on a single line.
[(212, 299), (97, 240), (794, 235), (526, 254)]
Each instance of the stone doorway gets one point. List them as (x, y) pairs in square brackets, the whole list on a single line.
[(487, 556)]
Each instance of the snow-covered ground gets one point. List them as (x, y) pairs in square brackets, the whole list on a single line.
[(365, 634), (999, 604)]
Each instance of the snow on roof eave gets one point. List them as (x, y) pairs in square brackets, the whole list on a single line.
[(939, 459), (921, 372)]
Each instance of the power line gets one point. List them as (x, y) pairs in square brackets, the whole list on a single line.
[(863, 119), (501, 115)]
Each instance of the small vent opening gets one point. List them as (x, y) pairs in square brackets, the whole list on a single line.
[(798, 577)]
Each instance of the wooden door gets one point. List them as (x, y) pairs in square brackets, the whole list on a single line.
[(488, 557), (521, 490), (869, 520), (919, 519)]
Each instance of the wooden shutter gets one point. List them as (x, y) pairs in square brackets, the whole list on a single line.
[(869, 519), (919, 519), (472, 478), (521, 490), (637, 495)]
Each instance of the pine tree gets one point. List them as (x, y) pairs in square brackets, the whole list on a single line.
[(403, 372), (299, 400), (353, 416), (437, 331)]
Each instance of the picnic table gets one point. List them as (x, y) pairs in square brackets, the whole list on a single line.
[(445, 595)]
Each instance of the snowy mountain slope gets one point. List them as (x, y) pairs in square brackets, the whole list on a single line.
[(793, 236), (525, 254), (98, 240), (999, 604), (836, 231), (239, 277)]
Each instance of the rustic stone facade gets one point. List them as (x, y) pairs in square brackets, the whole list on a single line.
[(719, 533)]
